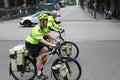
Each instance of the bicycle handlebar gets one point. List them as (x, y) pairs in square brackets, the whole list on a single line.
[(60, 34), (61, 31), (54, 49)]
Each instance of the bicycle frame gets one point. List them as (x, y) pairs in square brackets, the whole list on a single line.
[(60, 35), (51, 54)]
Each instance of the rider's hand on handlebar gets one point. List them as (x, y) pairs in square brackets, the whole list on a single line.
[(52, 46)]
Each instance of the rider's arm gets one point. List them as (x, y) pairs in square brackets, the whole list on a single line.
[(57, 27), (47, 43), (51, 37), (52, 24)]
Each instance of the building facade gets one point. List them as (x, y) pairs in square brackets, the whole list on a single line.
[(112, 5), (15, 3)]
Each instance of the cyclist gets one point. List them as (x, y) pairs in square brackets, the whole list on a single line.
[(36, 43), (51, 22)]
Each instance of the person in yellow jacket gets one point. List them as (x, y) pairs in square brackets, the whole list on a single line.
[(36, 43), (51, 22)]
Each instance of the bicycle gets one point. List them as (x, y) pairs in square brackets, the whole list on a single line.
[(67, 48), (28, 71)]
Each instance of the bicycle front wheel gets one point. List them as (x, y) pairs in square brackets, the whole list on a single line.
[(69, 49), (28, 73), (73, 66)]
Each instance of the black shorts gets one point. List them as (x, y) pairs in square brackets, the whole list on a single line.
[(34, 49)]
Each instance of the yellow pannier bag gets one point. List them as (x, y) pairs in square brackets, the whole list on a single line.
[(67, 49), (17, 54), (61, 72)]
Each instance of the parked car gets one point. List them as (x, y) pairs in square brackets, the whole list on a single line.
[(32, 20)]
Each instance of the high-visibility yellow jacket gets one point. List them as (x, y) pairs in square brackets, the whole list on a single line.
[(37, 34), (52, 24)]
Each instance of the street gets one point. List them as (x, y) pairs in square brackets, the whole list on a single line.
[(98, 41)]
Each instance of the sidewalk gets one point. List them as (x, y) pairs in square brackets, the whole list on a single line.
[(79, 14), (82, 15), (99, 15)]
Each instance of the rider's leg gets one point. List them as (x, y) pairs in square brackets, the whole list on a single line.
[(35, 50), (38, 64), (39, 59)]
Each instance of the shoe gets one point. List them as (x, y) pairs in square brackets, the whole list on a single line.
[(42, 76)]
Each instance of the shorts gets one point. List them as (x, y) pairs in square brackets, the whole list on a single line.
[(34, 49)]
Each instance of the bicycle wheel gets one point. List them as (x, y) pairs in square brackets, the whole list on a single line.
[(74, 71), (28, 73), (69, 49)]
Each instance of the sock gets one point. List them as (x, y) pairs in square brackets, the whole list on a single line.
[(38, 72)]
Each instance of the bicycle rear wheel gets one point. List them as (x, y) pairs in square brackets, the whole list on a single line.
[(69, 49), (73, 66), (28, 73)]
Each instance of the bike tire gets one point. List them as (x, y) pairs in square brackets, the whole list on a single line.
[(28, 73), (75, 71), (74, 49)]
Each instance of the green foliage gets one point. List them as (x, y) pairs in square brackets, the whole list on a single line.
[(73, 2)]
